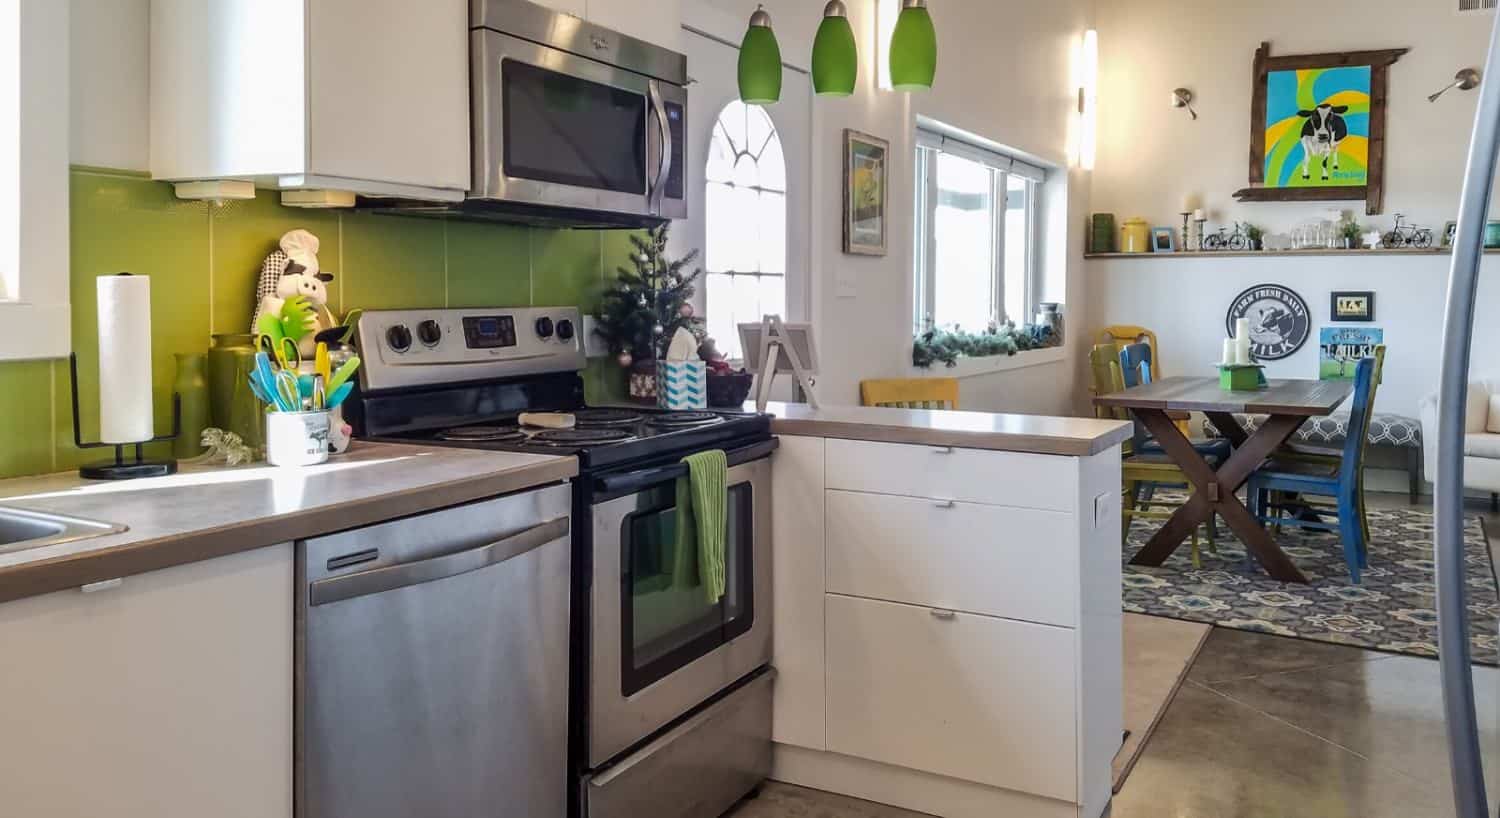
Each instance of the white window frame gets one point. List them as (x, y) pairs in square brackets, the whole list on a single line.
[(928, 144), (35, 319)]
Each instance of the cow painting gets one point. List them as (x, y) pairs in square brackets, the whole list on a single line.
[(1323, 128)]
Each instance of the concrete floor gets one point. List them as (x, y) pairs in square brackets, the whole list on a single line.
[(1270, 727)]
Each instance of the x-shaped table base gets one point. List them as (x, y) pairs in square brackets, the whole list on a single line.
[(1215, 490)]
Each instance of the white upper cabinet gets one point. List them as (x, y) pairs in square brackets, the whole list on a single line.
[(369, 96), (658, 22)]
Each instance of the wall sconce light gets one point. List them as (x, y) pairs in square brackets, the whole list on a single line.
[(1088, 99), (1183, 98), (1466, 79)]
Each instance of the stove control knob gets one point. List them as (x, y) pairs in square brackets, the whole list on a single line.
[(565, 330), (544, 327), (429, 332), (398, 337)]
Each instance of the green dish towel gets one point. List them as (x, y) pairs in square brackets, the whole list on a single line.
[(702, 498)]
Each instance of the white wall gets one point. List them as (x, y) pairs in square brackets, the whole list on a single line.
[(1004, 73), (1151, 156)]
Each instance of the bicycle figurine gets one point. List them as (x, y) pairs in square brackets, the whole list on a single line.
[(1224, 240), (1406, 235)]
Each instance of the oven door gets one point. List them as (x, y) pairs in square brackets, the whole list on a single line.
[(555, 129), (659, 647)]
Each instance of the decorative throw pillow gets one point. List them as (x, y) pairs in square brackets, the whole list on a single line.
[(1493, 426)]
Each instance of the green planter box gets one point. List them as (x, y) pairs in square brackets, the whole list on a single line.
[(1240, 378)]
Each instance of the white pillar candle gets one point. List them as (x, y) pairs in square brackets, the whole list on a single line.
[(1229, 352), (1199, 215), (1242, 349), (1242, 328)]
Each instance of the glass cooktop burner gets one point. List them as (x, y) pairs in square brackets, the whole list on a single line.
[(580, 437), (475, 434), (681, 419), (606, 417)]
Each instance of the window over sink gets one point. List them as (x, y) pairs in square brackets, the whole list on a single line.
[(978, 227), (34, 314), (745, 199)]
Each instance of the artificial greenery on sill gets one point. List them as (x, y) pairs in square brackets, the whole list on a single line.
[(947, 346)]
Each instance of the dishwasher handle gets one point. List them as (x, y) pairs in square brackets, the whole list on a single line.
[(389, 578)]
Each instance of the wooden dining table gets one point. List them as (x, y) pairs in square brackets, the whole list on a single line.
[(1287, 404)]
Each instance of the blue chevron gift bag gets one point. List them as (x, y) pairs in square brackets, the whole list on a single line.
[(682, 385)]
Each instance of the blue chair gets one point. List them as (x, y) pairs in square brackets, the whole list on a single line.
[(1135, 367), (1270, 486)]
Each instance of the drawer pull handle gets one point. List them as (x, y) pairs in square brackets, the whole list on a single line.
[(942, 613), (945, 504), (943, 450)]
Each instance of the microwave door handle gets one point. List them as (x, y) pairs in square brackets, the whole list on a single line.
[(658, 188)]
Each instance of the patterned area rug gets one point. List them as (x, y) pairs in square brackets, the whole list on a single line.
[(1392, 609)]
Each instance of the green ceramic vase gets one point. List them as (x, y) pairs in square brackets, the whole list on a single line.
[(191, 386), (233, 406)]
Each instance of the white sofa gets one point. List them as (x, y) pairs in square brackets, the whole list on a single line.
[(1481, 437)]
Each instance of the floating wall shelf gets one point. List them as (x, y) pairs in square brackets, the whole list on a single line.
[(1434, 251)]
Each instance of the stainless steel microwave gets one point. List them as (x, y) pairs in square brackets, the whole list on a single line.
[(572, 121)]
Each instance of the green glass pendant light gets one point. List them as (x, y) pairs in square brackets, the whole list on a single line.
[(760, 62), (913, 48), (835, 63)]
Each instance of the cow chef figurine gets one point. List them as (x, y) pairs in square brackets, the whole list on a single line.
[(1322, 133), (290, 271)]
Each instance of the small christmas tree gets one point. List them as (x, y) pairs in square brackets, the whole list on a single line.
[(648, 304)]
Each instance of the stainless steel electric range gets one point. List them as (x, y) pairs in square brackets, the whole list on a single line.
[(670, 706)]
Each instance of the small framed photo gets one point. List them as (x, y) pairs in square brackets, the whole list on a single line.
[(866, 169), (1357, 305), (1449, 230), (1163, 240)]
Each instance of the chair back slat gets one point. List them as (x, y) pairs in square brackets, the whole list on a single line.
[(1360, 411), (1121, 334), (1135, 364), (1104, 370), (910, 393)]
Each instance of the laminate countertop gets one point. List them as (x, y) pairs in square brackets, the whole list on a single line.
[(206, 512), (1036, 434)]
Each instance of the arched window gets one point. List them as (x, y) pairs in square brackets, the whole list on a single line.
[(745, 252)]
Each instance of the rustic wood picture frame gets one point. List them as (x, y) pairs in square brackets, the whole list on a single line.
[(1373, 192)]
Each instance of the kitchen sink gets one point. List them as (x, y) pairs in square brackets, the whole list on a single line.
[(21, 529)]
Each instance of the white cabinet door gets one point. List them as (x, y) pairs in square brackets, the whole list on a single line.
[(389, 91), (170, 695), (970, 697), (1019, 563), (948, 473), (658, 22), (797, 591)]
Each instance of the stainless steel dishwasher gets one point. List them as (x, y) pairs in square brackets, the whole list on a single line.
[(432, 664)]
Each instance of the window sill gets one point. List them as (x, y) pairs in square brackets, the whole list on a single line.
[(992, 364)]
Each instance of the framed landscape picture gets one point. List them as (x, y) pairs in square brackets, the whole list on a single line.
[(1317, 127), (866, 191)]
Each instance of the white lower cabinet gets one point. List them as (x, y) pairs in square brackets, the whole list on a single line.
[(972, 697), (169, 696)]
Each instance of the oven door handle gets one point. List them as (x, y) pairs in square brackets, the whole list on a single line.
[(632, 482)]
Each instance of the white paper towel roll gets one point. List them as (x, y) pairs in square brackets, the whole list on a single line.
[(124, 359)]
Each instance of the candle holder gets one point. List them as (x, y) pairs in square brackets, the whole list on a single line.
[(1201, 223), (1186, 245), (123, 468)]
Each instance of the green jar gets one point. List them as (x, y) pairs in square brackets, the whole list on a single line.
[(191, 387)]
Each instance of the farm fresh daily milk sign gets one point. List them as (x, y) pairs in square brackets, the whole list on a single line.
[(1279, 322)]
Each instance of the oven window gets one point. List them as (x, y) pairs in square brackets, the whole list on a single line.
[(668, 619), (571, 131)]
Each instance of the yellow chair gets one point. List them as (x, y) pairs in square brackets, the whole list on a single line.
[(910, 393), (1124, 334), (1138, 472)]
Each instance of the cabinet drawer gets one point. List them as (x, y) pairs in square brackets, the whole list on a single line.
[(970, 697), (1012, 562), (969, 475)]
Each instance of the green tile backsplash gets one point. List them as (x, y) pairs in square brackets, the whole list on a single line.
[(204, 259)]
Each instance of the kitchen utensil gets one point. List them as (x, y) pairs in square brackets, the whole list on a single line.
[(299, 317), (284, 351), (338, 396), (288, 390), (351, 323), (320, 394), (548, 420), (321, 362), (270, 325), (344, 373)]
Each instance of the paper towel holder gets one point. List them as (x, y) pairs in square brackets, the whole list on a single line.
[(123, 468)]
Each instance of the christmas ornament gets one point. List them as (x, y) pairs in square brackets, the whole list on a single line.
[(626, 359), (658, 329), (686, 311)]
